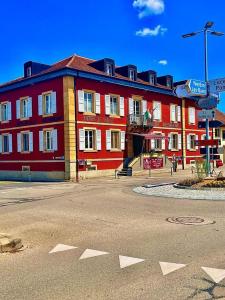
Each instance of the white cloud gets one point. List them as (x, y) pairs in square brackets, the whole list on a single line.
[(163, 62), (151, 32), (149, 7)]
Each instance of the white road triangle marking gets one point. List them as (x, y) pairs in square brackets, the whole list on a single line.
[(92, 253), (61, 247), (216, 274), (167, 267), (126, 261)]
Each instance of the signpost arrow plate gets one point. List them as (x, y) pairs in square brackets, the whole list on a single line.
[(212, 124), (207, 114), (208, 103), (196, 88), (181, 91), (217, 85)]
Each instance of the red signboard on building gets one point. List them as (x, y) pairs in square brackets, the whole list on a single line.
[(153, 163), (207, 143)]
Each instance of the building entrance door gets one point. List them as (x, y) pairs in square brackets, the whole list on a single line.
[(137, 144)]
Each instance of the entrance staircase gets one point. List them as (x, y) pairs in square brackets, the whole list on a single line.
[(126, 170)]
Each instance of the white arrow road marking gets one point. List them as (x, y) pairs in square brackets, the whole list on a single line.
[(92, 253), (167, 267), (126, 261), (216, 274), (61, 247)]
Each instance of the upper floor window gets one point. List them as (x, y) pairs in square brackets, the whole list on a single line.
[(5, 113), (137, 107), (152, 78), (157, 110), (109, 69), (28, 71), (24, 108), (217, 133), (114, 105), (132, 74), (47, 103), (88, 102), (169, 82), (175, 113)]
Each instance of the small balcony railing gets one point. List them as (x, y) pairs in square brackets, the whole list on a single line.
[(139, 120)]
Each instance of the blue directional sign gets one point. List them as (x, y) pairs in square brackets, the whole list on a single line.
[(212, 124), (197, 87), (208, 103)]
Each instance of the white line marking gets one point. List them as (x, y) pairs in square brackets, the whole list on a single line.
[(126, 261), (92, 253), (216, 274), (167, 267), (61, 247)]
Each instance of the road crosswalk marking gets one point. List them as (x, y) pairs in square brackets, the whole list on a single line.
[(168, 267), (92, 253), (216, 274), (61, 247), (126, 261)]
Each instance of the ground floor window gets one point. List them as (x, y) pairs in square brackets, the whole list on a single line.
[(174, 141), (5, 143), (48, 140), (89, 139), (115, 140), (25, 142), (192, 138), (158, 141), (217, 133)]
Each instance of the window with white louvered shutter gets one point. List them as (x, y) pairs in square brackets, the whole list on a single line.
[(40, 106), (55, 139), (122, 139), (82, 139), (99, 139), (152, 144), (9, 111), (29, 107), (97, 103), (107, 104), (10, 143), (41, 141), (191, 113), (178, 113), (163, 142), (53, 103), (188, 142), (31, 147), (18, 142), (172, 113), (0, 143), (157, 110), (196, 139), (108, 139), (81, 101), (131, 106), (170, 141), (144, 106), (122, 106), (18, 109), (179, 142)]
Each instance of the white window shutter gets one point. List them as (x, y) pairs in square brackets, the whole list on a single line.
[(81, 101), (41, 141), (172, 112), (193, 115), (99, 139), (9, 111), (178, 113), (0, 143), (107, 104), (97, 103), (40, 106), (157, 110), (188, 142), (131, 106), (108, 139), (18, 109), (53, 102), (82, 139), (170, 141), (10, 143), (163, 143), (29, 107), (179, 142), (152, 144), (122, 106), (31, 147), (122, 139), (55, 139), (191, 111), (18, 142), (144, 106)]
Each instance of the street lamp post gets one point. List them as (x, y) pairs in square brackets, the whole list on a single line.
[(206, 30)]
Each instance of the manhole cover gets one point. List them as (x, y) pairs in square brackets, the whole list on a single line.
[(190, 220)]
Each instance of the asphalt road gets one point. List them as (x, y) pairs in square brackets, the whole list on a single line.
[(106, 215)]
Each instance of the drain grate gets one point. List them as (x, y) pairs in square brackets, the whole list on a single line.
[(190, 220)]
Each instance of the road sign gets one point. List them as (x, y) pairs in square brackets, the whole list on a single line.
[(181, 91), (207, 143), (217, 85), (207, 114), (196, 88), (212, 124), (208, 103)]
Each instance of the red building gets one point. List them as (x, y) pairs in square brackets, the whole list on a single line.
[(81, 117)]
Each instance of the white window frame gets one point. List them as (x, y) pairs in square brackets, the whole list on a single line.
[(88, 148), (86, 100), (109, 69), (118, 140), (177, 137), (112, 112), (132, 74)]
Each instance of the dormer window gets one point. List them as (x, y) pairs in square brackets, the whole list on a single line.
[(152, 79), (169, 82), (131, 74), (109, 69), (28, 72)]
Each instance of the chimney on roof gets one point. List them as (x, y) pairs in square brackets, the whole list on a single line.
[(33, 68)]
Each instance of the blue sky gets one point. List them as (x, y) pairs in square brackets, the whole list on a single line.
[(146, 33)]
